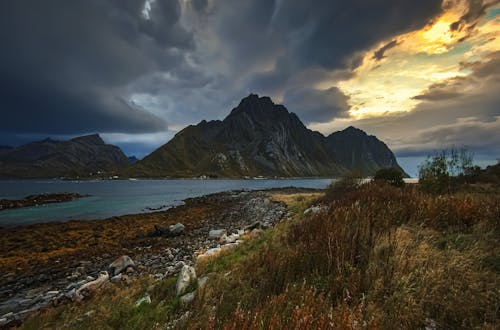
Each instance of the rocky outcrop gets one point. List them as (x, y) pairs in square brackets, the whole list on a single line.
[(84, 156), (260, 138), (36, 200)]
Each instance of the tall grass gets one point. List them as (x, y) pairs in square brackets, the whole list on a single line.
[(378, 257)]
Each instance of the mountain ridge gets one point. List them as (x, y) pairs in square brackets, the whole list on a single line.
[(82, 156), (261, 138)]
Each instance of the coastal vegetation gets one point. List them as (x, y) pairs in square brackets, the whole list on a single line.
[(360, 256)]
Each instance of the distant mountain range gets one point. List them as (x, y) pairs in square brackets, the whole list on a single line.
[(82, 156), (260, 138)]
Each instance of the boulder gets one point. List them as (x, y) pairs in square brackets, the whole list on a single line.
[(116, 278), (216, 233), (253, 226), (177, 229), (186, 277), (90, 287), (208, 253), (256, 233), (188, 298), (313, 210), (232, 238), (121, 264)]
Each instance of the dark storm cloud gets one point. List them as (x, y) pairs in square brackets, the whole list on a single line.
[(379, 53), (313, 105), (64, 64), (330, 33), (72, 67)]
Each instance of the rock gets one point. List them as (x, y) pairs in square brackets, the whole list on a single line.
[(313, 210), (3, 321), (209, 253), (216, 233), (256, 233), (188, 298), (8, 315), (121, 264), (74, 295), (253, 226), (177, 229), (222, 239), (25, 302), (90, 287), (116, 278), (232, 238), (146, 299), (170, 271), (202, 282), (186, 277)]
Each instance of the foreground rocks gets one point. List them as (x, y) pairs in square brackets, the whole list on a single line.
[(66, 281)]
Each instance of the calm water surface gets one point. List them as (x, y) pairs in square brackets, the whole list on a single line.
[(118, 197)]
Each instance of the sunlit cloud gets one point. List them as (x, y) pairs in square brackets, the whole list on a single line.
[(416, 60)]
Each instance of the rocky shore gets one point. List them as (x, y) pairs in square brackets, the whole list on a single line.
[(36, 200), (50, 264)]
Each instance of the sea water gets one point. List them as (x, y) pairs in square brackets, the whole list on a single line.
[(118, 197)]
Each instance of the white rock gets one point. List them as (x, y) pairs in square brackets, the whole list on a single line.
[(232, 238), (216, 233), (93, 286), (209, 253), (186, 277), (121, 264), (146, 299)]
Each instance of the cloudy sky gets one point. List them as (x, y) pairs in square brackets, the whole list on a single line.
[(420, 75)]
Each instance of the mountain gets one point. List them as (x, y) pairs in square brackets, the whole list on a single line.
[(81, 156), (260, 138)]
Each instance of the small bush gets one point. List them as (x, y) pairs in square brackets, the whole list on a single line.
[(392, 176)]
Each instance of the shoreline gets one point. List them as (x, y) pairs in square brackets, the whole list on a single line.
[(56, 257)]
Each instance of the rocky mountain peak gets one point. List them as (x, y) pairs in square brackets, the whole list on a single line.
[(258, 108), (94, 139)]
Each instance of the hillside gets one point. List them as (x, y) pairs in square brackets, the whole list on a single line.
[(358, 257), (260, 138), (49, 158)]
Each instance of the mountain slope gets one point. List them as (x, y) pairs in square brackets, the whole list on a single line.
[(260, 138), (48, 158)]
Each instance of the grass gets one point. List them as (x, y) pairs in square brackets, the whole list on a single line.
[(114, 308), (376, 257)]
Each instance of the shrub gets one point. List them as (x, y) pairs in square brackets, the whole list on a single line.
[(342, 186), (440, 173), (392, 176)]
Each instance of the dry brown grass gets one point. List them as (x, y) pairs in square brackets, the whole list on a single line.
[(379, 257)]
